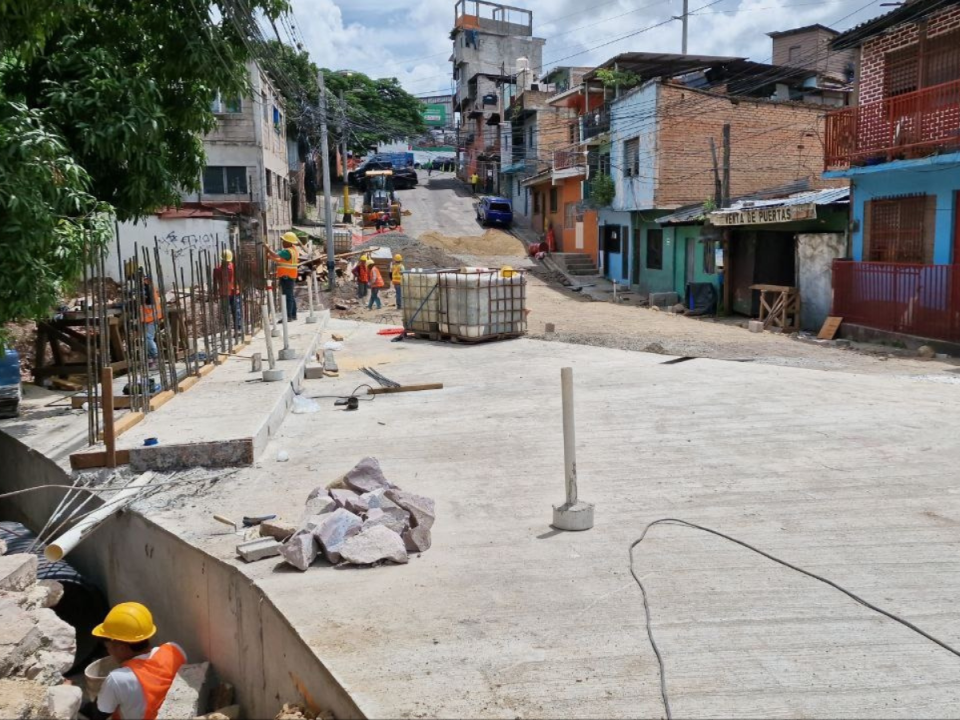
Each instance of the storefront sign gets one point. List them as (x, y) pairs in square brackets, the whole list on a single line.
[(765, 215)]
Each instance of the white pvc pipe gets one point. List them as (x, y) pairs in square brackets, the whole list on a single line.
[(271, 360), (569, 436), (69, 540)]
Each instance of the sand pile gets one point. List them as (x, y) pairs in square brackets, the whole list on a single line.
[(492, 242)]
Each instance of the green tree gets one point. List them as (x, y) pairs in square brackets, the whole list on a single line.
[(104, 104)]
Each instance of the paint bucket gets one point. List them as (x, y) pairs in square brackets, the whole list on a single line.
[(149, 442), (95, 674)]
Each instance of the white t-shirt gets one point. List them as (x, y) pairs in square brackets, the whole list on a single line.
[(122, 690)]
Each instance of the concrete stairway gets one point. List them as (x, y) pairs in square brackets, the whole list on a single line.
[(576, 264)]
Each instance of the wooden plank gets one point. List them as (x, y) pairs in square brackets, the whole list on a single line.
[(120, 402), (161, 399), (109, 436), (89, 460), (127, 422), (189, 383), (830, 327), (405, 388), (62, 384)]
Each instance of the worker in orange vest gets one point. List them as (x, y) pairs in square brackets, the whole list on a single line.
[(362, 277), (151, 311), (139, 686), (396, 278), (225, 281), (376, 282), (288, 267)]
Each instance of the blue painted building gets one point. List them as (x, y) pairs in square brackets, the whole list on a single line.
[(900, 149)]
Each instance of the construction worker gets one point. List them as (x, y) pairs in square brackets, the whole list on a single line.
[(362, 277), (376, 282), (151, 311), (288, 266), (396, 278), (474, 182), (139, 686), (224, 280)]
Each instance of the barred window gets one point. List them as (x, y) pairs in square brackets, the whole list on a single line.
[(631, 157), (900, 230)]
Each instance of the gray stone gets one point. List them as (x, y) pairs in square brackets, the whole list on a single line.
[(755, 326), (58, 649), (842, 343), (20, 638), (337, 527), (349, 500), (366, 476), (319, 502), (187, 696), (259, 549), (373, 545), (373, 499), (277, 529), (18, 572), (398, 518), (45, 594), (63, 702), (416, 539), (420, 507), (301, 550), (926, 351)]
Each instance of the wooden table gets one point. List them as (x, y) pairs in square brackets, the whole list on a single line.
[(779, 307), (62, 337)]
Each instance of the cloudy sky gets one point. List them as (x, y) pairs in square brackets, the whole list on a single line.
[(409, 39)]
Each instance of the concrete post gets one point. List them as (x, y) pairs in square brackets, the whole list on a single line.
[(311, 289), (271, 374), (573, 514), (287, 353)]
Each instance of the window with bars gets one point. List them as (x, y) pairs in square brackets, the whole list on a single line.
[(941, 59), (631, 157), (655, 249), (901, 71), (900, 230), (908, 69), (220, 180)]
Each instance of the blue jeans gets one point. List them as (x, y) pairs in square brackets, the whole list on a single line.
[(286, 285), (236, 311), (374, 298), (399, 291), (361, 289), (150, 330)]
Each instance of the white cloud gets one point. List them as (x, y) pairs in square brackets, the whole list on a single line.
[(410, 40)]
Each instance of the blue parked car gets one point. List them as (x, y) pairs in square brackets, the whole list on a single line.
[(495, 211)]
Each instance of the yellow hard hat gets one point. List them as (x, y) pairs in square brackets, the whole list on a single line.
[(370, 262), (128, 622), (290, 239), (228, 256), (398, 257), (363, 258), (131, 267)]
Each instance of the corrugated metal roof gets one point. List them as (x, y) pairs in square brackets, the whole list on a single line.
[(696, 213)]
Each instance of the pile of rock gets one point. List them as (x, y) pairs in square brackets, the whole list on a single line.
[(360, 519), (36, 646)]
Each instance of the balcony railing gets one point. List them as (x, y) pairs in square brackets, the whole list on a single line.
[(919, 300), (570, 157), (906, 126), (596, 123)]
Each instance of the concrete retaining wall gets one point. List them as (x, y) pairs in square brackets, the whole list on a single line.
[(207, 605)]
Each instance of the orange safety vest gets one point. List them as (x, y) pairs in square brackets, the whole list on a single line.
[(155, 675), (289, 268), (152, 313), (224, 278), (376, 279)]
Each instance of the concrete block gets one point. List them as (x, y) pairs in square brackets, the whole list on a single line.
[(366, 476), (19, 637), (18, 572), (275, 375), (54, 592), (45, 594), (63, 702), (301, 550), (336, 528), (222, 453), (277, 529), (663, 299), (755, 326), (256, 362), (259, 549), (187, 696), (314, 372), (420, 507), (373, 545), (287, 354), (416, 539)]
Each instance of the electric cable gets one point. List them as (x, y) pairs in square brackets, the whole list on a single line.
[(836, 586)]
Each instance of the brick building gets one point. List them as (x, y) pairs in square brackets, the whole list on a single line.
[(900, 149)]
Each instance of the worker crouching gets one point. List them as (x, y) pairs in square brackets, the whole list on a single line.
[(139, 686)]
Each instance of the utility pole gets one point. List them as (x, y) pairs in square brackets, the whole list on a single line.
[(686, 21), (725, 183), (347, 216), (327, 199)]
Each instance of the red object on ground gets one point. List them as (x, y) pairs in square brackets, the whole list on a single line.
[(391, 331)]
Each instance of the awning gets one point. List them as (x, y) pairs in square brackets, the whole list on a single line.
[(795, 208)]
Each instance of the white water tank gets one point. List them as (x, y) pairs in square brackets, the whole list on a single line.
[(524, 74)]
